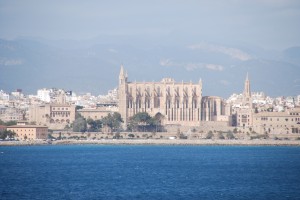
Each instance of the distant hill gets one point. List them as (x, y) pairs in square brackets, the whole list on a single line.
[(93, 65)]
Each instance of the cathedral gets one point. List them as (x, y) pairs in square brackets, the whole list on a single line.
[(245, 112), (177, 103)]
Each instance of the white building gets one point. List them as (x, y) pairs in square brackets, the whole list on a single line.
[(44, 95), (4, 95)]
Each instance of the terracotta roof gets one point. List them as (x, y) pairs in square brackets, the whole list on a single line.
[(26, 126)]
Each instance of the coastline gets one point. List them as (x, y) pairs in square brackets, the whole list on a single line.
[(180, 142)]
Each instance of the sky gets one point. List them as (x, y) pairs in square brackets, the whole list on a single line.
[(270, 24)]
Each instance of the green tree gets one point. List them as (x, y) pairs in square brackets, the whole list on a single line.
[(79, 125), (11, 134), (131, 135), (221, 136), (94, 125), (182, 136), (8, 123), (142, 121), (235, 130), (3, 135), (7, 134), (113, 121), (209, 135), (230, 135), (78, 107)]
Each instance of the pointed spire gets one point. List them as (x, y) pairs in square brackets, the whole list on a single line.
[(247, 91), (122, 70), (122, 76)]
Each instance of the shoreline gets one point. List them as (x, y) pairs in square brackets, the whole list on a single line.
[(164, 142)]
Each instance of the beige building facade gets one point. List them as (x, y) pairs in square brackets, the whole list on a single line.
[(55, 116), (244, 114), (29, 132), (277, 122), (177, 103), (215, 109), (99, 112)]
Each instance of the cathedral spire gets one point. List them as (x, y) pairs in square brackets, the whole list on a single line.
[(200, 81), (122, 71), (247, 91), (122, 75)]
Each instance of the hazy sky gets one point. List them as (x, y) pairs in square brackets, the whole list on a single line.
[(267, 23)]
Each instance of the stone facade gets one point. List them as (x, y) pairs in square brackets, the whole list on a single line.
[(97, 113), (244, 114), (178, 103), (29, 132), (215, 109), (11, 114), (55, 116), (277, 122)]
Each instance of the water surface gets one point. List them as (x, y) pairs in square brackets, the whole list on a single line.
[(149, 172)]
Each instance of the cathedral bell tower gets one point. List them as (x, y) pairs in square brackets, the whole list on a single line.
[(247, 101), (122, 93), (245, 112)]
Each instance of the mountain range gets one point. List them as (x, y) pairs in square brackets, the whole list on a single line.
[(93, 65)]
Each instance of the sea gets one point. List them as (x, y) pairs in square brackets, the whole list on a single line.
[(149, 172)]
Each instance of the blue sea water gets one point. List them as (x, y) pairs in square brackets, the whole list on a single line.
[(149, 172)]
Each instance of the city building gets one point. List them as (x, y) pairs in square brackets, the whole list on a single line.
[(100, 112), (56, 115), (175, 103), (11, 114), (2, 128), (244, 114), (29, 132), (44, 95), (215, 109), (277, 122)]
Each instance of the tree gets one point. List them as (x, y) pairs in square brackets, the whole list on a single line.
[(113, 121), (131, 135), (94, 125), (3, 135), (79, 125), (182, 136), (78, 107), (11, 134), (8, 123), (209, 135), (142, 121), (221, 136), (7, 134), (235, 130), (230, 135)]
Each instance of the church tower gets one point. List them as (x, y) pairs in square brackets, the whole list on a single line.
[(245, 112), (247, 100), (123, 95), (122, 76)]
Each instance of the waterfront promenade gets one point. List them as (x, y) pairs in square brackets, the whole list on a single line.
[(263, 142)]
